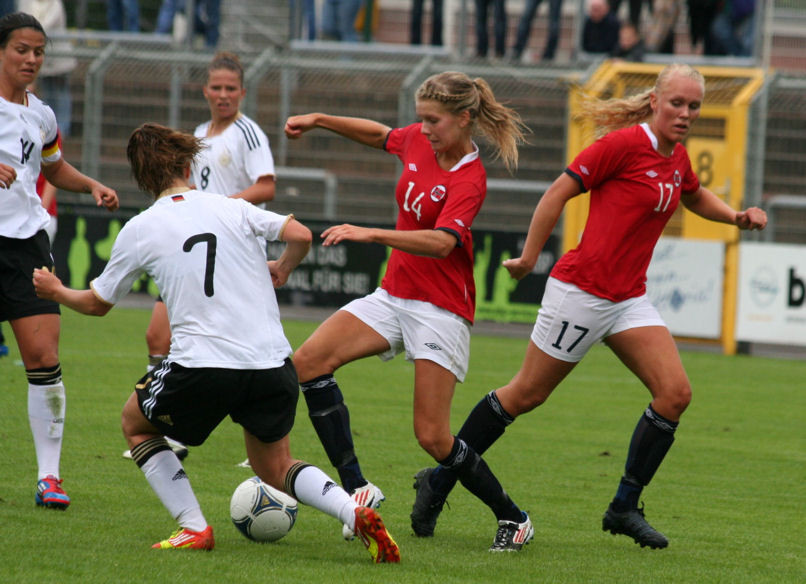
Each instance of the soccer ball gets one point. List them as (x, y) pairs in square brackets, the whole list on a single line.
[(261, 512)]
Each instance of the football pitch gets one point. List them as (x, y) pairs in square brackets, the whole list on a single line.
[(730, 496)]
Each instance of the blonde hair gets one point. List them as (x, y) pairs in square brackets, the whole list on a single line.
[(501, 125), (613, 114)]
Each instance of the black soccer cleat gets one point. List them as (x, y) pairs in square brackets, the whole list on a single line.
[(427, 505), (632, 523)]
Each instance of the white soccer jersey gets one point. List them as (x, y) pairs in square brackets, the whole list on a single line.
[(202, 251), (234, 159), (28, 138)]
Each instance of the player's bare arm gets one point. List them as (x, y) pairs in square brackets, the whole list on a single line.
[(48, 286), (434, 243), (65, 176)]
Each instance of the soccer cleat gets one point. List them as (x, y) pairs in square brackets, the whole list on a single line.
[(367, 496), (632, 523), (512, 536), (427, 505), (49, 494), (371, 531), (183, 539), (179, 449)]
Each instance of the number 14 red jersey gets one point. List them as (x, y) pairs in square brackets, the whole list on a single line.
[(429, 197)]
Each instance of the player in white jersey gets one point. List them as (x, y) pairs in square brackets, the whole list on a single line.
[(229, 355), (29, 143), (236, 161)]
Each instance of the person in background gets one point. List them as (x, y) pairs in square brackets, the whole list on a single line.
[(637, 174), (206, 21), (123, 15), (630, 45), (30, 144), (600, 32), (635, 8), (499, 28), (426, 302), (733, 28), (206, 254), (525, 29), (659, 34), (236, 160), (437, 10), (338, 20)]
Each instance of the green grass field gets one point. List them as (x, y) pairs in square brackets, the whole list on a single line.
[(731, 495)]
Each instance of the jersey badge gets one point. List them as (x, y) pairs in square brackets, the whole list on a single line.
[(438, 193), (412, 167), (177, 198), (224, 159), (677, 179)]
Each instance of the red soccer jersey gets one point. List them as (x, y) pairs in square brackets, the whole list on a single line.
[(429, 197), (633, 192)]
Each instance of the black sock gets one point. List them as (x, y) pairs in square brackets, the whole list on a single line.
[(477, 478), (651, 440), (331, 420), (485, 424)]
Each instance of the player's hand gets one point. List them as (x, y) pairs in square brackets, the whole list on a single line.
[(279, 275), (295, 126), (517, 268), (106, 197), (7, 176), (46, 283), (752, 218), (345, 232)]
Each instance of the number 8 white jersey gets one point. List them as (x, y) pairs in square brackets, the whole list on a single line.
[(233, 160), (203, 253)]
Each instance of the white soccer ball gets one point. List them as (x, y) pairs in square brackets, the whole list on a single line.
[(261, 512)]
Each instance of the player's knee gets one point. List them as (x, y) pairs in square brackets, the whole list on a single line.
[(673, 400), (309, 364), (435, 444)]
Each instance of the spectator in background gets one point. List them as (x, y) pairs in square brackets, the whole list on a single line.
[(53, 83), (701, 14), (6, 7), (600, 33), (338, 20), (123, 15), (630, 46), (525, 28), (733, 28), (499, 27), (659, 36), (634, 11), (206, 22), (417, 22), (308, 16)]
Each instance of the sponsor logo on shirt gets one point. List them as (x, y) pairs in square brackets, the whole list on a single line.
[(433, 346), (651, 174)]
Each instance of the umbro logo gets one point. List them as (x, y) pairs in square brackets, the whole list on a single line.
[(651, 173), (433, 346), (180, 474), (412, 167), (584, 169), (328, 485)]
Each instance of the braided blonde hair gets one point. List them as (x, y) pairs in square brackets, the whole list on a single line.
[(501, 125), (613, 114)]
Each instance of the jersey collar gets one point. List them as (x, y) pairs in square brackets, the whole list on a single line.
[(467, 158)]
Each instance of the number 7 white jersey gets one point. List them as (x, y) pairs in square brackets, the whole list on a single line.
[(204, 256)]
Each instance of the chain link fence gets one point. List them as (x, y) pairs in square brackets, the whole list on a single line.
[(121, 81)]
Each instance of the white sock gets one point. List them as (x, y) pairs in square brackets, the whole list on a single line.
[(313, 487), (169, 481), (46, 405)]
